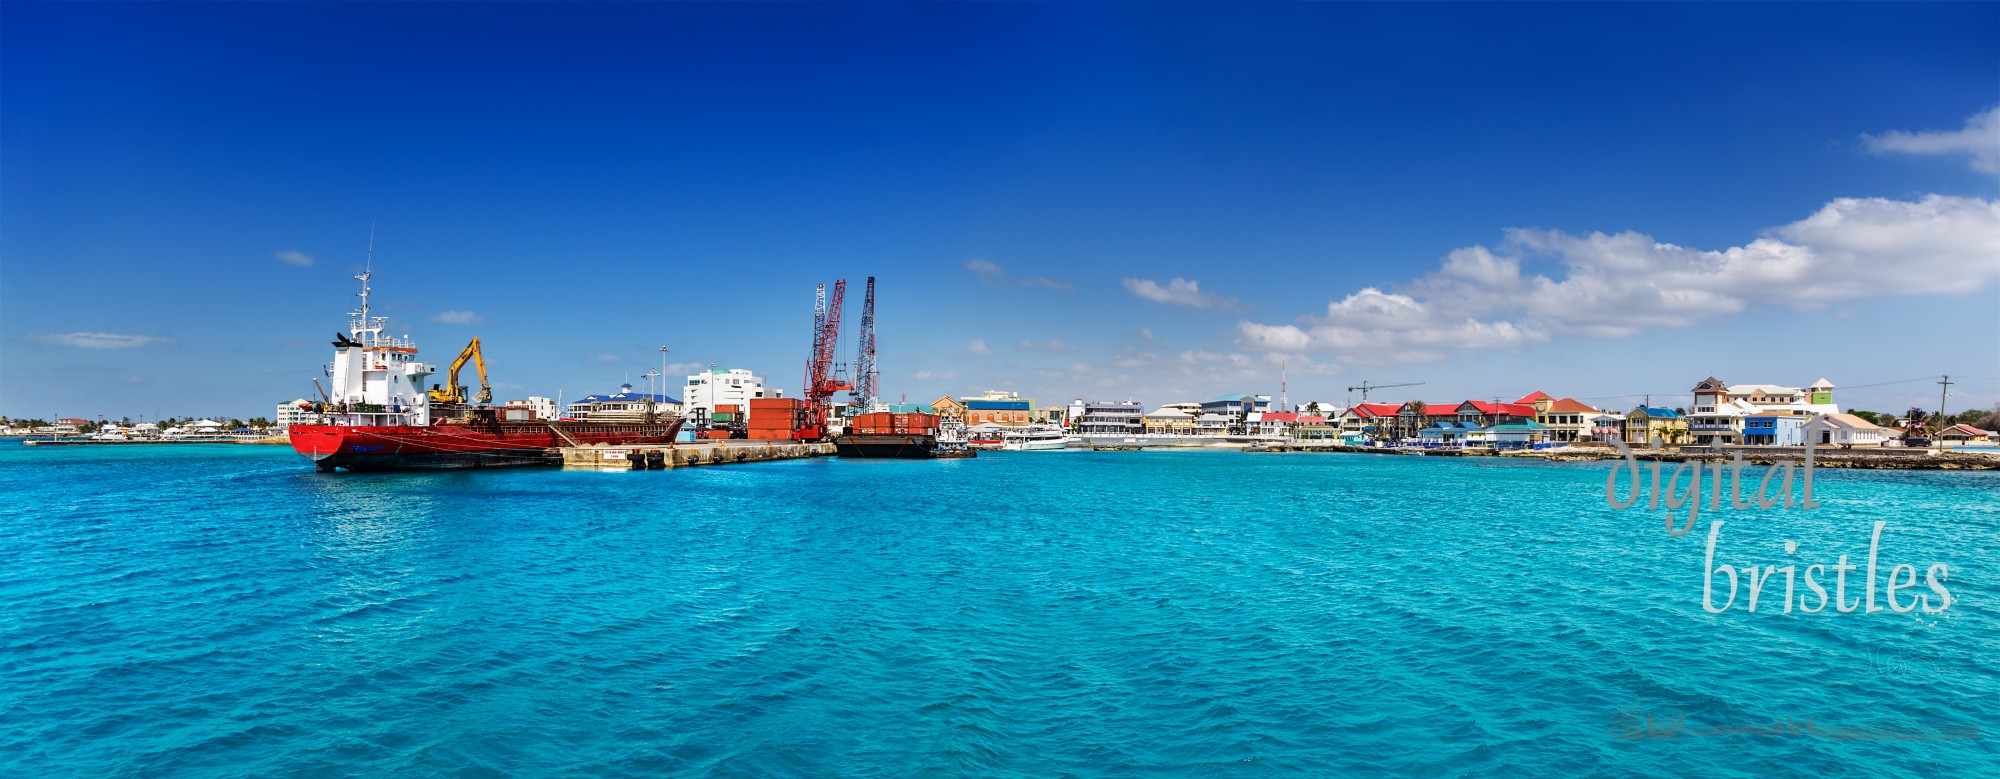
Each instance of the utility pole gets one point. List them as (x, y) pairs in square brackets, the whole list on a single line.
[(1943, 390)]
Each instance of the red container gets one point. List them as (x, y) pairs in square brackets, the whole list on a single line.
[(727, 408)]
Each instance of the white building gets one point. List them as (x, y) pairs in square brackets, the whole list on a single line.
[(732, 387), (297, 412), (543, 408), (622, 406), (1850, 430)]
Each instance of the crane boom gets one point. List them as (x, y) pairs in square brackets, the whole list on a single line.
[(864, 362), (452, 392), (1365, 387), (821, 382)]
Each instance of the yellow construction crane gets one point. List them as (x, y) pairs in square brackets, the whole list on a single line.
[(452, 392)]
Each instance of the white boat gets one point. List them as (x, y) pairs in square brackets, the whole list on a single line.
[(1033, 439)]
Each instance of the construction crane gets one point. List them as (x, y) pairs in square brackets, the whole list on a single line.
[(821, 382), (864, 361), (452, 392), (1365, 387)]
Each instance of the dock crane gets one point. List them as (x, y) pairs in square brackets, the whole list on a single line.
[(452, 391), (822, 376), (1365, 387)]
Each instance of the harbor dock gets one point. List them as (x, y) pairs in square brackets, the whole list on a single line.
[(680, 455)]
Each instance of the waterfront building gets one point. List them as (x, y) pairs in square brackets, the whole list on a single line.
[(1417, 415), (1446, 432), (1848, 430), (733, 387), (1214, 424), (1607, 427), (1052, 415), (1168, 420), (1235, 406), (621, 406), (1646, 424), (1107, 417), (1512, 435), (1567, 419), (1964, 434), (1367, 418), (297, 412), (542, 408), (948, 407), (1283, 423), (1480, 413), (1775, 428)]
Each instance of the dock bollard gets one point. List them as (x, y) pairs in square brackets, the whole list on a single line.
[(656, 460)]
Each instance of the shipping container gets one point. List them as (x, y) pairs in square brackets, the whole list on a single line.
[(728, 408), (722, 416)]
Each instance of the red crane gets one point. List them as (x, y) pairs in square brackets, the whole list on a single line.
[(864, 362), (821, 382)]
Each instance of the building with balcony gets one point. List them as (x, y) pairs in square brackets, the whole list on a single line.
[(1107, 417)]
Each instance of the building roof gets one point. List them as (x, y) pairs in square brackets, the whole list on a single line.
[(1850, 422), (1572, 406), (625, 396), (1367, 410), (1168, 412), (1513, 409), (1236, 399), (1534, 396), (1821, 384), (1710, 383), (1518, 426), (1657, 413), (1763, 389), (1967, 430)]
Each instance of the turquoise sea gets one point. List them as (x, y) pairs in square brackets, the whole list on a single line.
[(226, 611)]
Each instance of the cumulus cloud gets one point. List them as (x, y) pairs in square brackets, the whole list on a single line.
[(978, 346), (1179, 292), (927, 375), (1051, 345), (1617, 285), (294, 257), (1979, 140), (457, 318), (607, 357), (992, 275), (101, 340)]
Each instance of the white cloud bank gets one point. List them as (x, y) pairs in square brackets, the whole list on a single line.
[(978, 346), (1179, 292), (101, 340), (294, 257), (1617, 285), (1979, 139)]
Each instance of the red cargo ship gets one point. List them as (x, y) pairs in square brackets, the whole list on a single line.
[(376, 416)]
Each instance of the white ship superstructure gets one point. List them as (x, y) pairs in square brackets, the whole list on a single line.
[(376, 378)]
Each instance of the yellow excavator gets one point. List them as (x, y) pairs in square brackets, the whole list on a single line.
[(452, 392)]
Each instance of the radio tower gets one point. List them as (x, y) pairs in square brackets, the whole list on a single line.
[(864, 362)]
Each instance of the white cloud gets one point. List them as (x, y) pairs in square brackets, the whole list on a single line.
[(1978, 139), (992, 275), (978, 346), (101, 340), (457, 318), (1617, 285), (1051, 345), (927, 375), (607, 357), (1179, 292), (294, 257)]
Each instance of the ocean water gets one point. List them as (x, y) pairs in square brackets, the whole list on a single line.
[(226, 611)]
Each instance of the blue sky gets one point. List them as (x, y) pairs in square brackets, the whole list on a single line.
[(1392, 193)]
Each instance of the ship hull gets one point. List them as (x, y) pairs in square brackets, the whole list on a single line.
[(907, 446), (505, 444)]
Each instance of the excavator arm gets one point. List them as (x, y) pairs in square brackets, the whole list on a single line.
[(452, 392)]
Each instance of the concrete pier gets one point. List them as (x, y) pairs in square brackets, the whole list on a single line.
[(681, 455)]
